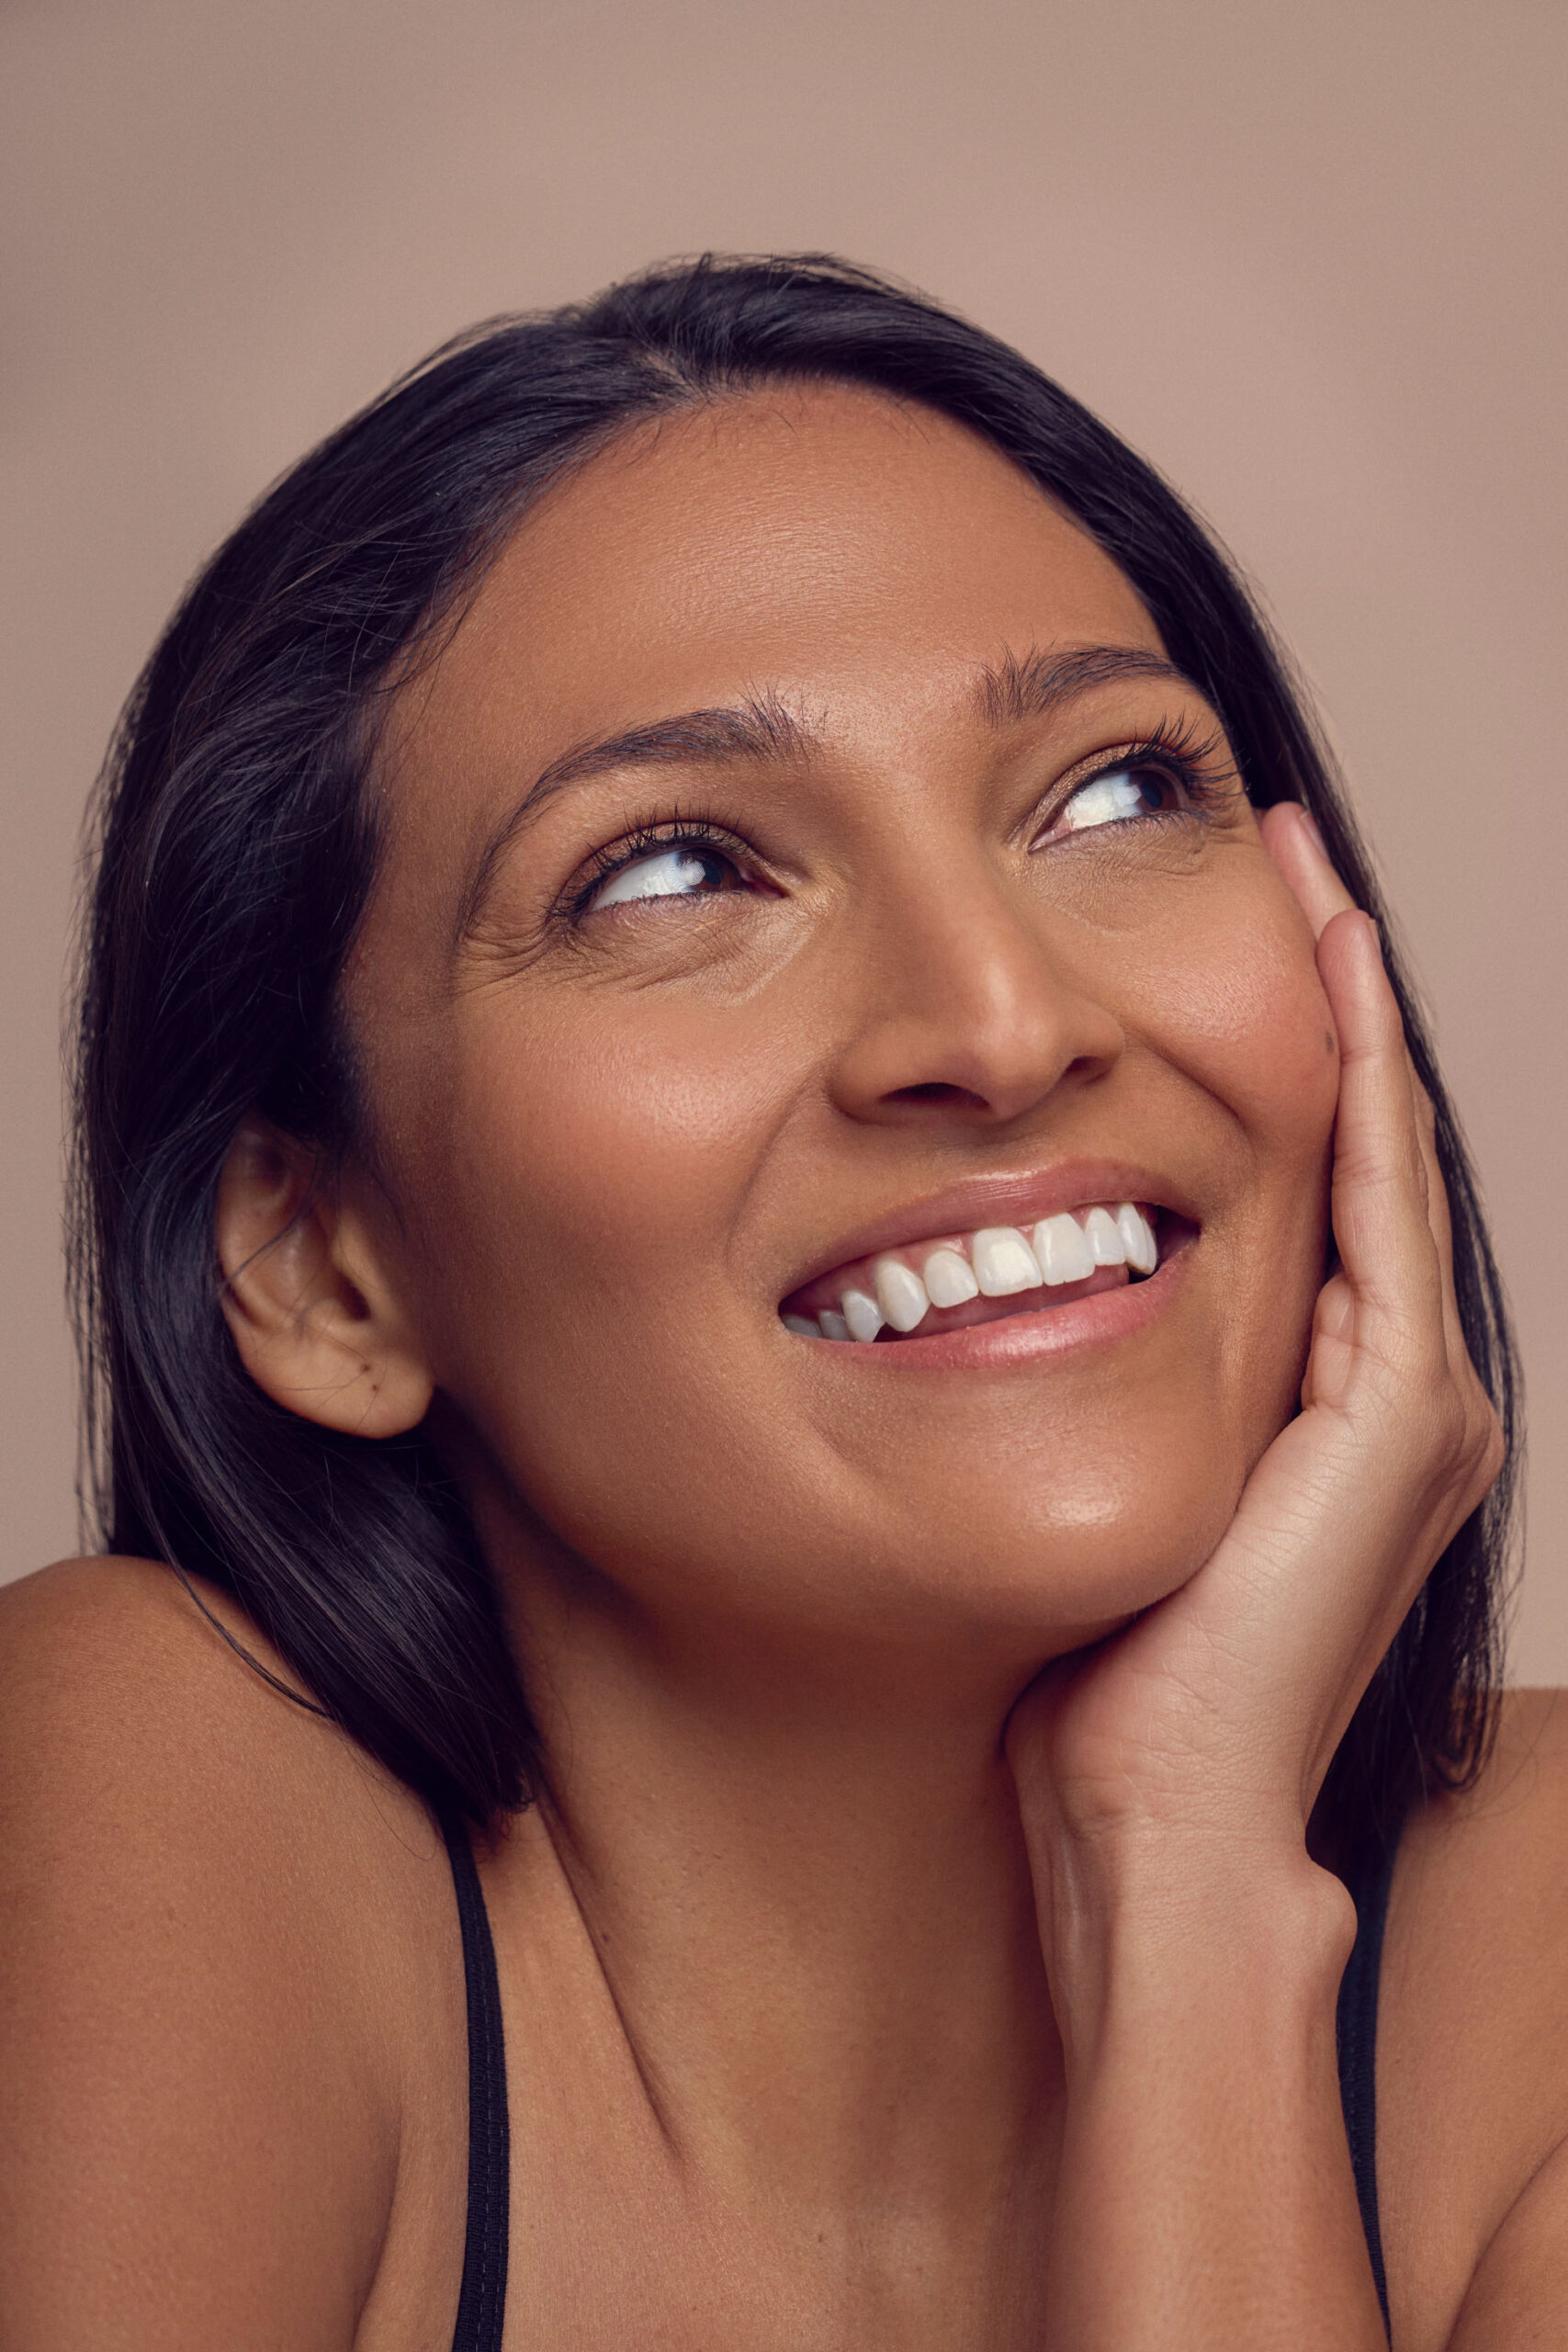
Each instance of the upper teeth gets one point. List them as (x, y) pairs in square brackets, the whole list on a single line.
[(1002, 1262), (901, 1294), (949, 1277)]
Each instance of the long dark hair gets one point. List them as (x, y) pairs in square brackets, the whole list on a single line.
[(236, 843)]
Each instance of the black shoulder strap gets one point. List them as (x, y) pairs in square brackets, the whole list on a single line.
[(481, 2305), (1357, 2033)]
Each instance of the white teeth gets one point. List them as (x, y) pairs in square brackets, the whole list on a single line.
[(1143, 1251), (1004, 1262), (1103, 1234), (861, 1314), (900, 1294), (1064, 1253), (1001, 1262), (949, 1280)]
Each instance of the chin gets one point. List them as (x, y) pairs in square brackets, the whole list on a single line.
[(1088, 1559)]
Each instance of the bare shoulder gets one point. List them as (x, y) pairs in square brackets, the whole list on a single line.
[(115, 1620), (131, 1700), (1500, 1844), (1473, 2032), (216, 1918), (1483, 1876)]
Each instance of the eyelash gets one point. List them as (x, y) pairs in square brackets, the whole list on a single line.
[(647, 838), (1195, 759)]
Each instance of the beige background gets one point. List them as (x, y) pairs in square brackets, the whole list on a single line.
[(1310, 258)]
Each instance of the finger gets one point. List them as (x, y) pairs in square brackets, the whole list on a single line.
[(1293, 842), (1439, 1218), (1461, 1365), (1437, 1212), (1380, 1203)]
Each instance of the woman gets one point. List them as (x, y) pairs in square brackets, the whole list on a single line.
[(762, 1241)]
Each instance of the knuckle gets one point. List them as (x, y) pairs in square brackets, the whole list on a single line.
[(1491, 1449), (1452, 1434), (1479, 1449), (1451, 1431)]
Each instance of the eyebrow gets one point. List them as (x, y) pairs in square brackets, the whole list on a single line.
[(1010, 691), (762, 730), (760, 727)]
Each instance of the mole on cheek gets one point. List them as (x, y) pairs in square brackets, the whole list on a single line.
[(1328, 1042)]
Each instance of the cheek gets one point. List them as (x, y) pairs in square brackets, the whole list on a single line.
[(1213, 968), (590, 1303), (1251, 1028), (1254, 1028), (587, 1172)]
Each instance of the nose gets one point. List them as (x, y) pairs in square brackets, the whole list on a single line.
[(962, 1009)]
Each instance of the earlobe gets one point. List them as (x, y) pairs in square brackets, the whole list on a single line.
[(317, 1323)]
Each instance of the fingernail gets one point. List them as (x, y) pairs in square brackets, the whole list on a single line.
[(1309, 822)]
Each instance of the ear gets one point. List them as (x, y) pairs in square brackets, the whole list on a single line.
[(317, 1323)]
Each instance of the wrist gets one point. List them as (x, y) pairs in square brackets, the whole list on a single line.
[(1197, 2012), (1170, 1938)]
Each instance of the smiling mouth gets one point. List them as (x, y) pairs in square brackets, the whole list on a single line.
[(957, 1280)]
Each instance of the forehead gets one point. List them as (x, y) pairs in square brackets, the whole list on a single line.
[(822, 543)]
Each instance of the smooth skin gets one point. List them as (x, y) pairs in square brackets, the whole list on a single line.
[(905, 1951)]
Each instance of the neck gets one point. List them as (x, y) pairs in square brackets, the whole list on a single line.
[(808, 1896)]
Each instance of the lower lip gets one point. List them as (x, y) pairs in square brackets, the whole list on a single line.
[(1031, 1335)]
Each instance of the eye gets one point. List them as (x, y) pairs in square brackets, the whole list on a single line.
[(1139, 789), (681, 870)]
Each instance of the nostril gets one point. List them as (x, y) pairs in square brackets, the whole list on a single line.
[(938, 1091)]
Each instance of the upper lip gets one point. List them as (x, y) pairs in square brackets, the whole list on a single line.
[(1019, 1200)]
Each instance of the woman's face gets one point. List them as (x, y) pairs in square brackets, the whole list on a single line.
[(802, 855)]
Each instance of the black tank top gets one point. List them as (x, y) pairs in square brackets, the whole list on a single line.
[(481, 2304)]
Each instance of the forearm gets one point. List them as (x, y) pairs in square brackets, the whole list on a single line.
[(1207, 2198)]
